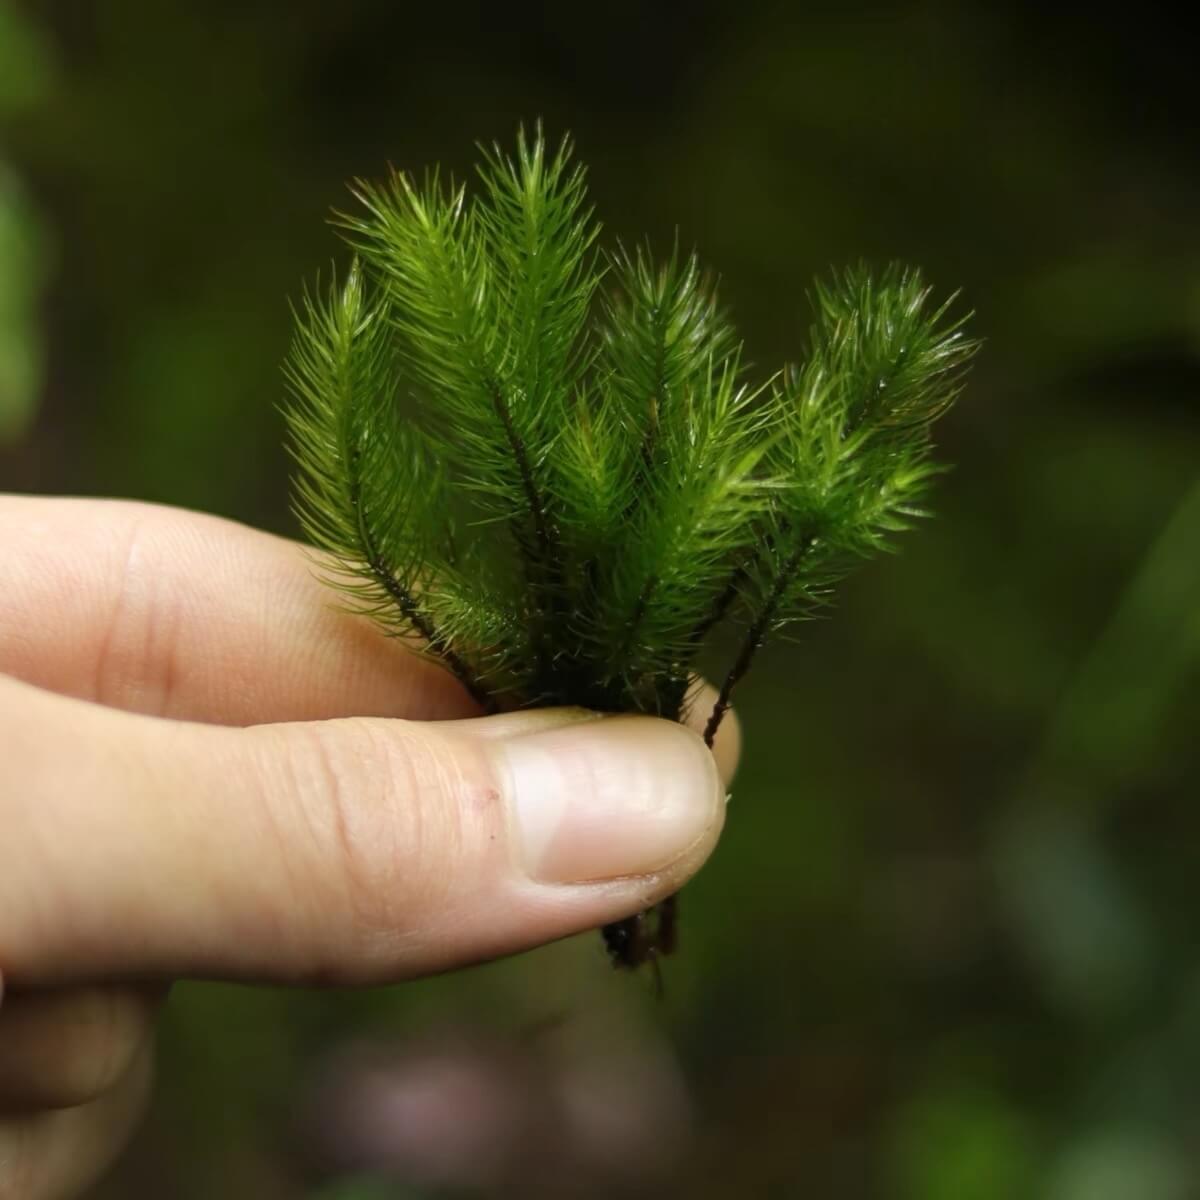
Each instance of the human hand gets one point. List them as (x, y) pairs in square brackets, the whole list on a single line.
[(202, 774)]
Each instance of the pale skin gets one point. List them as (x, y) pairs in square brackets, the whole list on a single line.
[(206, 771)]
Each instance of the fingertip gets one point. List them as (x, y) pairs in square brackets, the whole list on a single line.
[(623, 797), (727, 745)]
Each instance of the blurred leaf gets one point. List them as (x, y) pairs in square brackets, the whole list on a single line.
[(1109, 718), (1064, 888), (955, 1142), (1121, 1164), (22, 269)]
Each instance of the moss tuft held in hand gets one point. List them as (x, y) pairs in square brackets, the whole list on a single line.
[(546, 461)]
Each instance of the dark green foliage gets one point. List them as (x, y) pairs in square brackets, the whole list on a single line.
[(590, 484)]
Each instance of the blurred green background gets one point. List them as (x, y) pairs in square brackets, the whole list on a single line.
[(949, 948)]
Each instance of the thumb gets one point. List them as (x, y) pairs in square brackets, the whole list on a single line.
[(335, 852)]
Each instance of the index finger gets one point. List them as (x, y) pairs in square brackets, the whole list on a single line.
[(171, 613)]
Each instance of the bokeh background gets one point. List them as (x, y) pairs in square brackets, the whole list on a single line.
[(949, 948)]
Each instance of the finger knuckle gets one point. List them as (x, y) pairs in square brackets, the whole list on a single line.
[(392, 814)]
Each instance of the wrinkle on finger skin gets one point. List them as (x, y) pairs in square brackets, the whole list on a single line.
[(388, 810), (132, 670)]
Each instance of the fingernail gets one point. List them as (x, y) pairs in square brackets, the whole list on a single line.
[(602, 799)]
